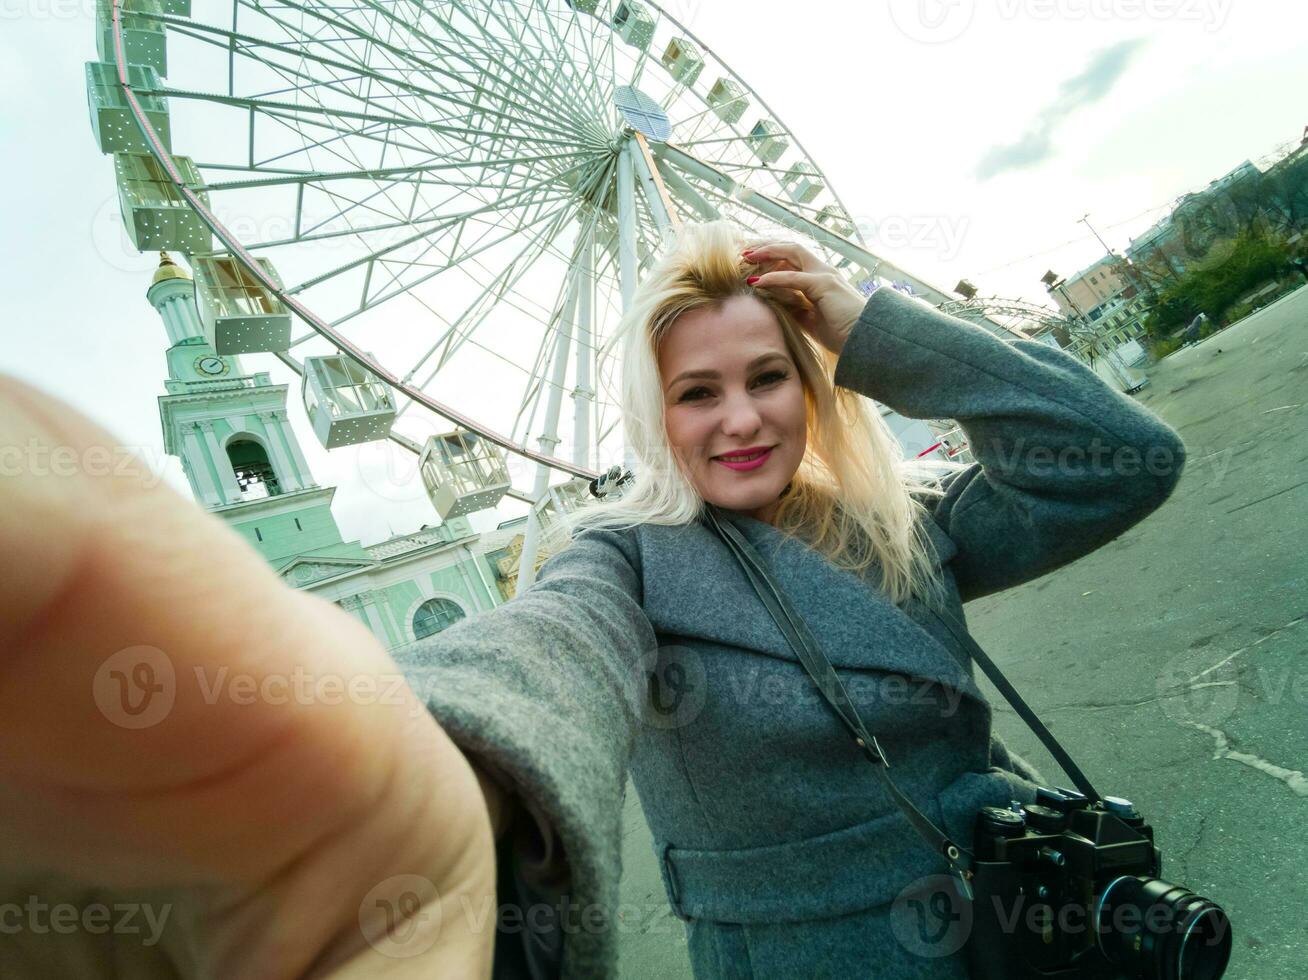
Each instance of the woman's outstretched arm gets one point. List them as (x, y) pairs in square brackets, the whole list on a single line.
[(1064, 462), (544, 694)]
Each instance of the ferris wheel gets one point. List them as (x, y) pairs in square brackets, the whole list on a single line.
[(434, 211)]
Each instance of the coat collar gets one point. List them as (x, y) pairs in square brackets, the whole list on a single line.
[(694, 589)]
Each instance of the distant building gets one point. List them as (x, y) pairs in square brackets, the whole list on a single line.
[(1103, 298)]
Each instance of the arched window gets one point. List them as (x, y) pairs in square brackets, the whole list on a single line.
[(434, 615), (254, 473)]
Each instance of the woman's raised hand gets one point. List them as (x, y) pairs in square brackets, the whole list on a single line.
[(822, 302), (204, 772)]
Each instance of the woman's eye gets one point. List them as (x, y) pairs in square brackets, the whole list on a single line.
[(770, 377)]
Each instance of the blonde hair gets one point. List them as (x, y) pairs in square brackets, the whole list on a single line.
[(852, 496)]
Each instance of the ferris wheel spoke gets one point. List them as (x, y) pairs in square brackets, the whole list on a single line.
[(576, 278), (520, 87), (506, 280), (470, 253), (445, 223), (547, 245), (499, 355), (532, 78), (452, 262), (382, 297), (585, 106), (409, 220), (253, 47), (421, 168), (568, 51), (483, 303), (533, 53)]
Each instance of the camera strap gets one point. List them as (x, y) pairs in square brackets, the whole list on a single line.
[(829, 684)]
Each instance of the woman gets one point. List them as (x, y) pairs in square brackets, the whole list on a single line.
[(642, 647), (356, 837)]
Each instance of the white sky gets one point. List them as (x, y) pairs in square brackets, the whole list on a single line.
[(966, 138)]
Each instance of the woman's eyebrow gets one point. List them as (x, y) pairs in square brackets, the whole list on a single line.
[(709, 373)]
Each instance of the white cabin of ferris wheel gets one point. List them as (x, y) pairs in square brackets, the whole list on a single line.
[(727, 99), (347, 404), (683, 60), (767, 141), (557, 502), (239, 313), (156, 215), (634, 23), (463, 473), (112, 121), (144, 40), (176, 8)]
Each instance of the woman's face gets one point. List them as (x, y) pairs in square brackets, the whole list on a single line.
[(729, 387)]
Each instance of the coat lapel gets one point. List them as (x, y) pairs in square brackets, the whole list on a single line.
[(694, 589)]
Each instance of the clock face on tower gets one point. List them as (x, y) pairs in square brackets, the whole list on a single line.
[(210, 365)]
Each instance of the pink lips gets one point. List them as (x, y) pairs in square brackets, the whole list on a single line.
[(752, 464)]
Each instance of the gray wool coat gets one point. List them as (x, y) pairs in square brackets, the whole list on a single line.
[(647, 652)]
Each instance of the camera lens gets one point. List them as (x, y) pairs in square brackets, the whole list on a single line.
[(1154, 930)]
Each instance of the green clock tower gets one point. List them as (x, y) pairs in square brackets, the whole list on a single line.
[(231, 432)]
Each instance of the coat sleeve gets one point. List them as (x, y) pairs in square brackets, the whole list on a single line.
[(544, 692), (1064, 462)]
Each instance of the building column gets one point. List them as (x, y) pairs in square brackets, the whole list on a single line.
[(383, 606), (223, 465), (287, 477), (198, 469), (306, 477), (353, 605), (368, 601), (487, 590), (475, 596)]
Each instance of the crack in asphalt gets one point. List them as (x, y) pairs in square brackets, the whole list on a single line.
[(1184, 859), (1292, 778)]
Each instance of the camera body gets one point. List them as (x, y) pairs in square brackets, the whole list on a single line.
[(1065, 888)]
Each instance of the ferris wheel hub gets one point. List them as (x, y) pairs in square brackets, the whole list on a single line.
[(642, 113)]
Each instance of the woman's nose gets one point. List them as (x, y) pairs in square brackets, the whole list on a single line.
[(740, 416)]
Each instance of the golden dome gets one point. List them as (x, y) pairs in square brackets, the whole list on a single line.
[(168, 269)]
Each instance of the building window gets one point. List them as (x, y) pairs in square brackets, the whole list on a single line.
[(435, 615), (254, 473)]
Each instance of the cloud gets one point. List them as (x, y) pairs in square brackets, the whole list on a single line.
[(1036, 145)]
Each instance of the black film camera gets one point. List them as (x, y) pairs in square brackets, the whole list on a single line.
[(1065, 889)]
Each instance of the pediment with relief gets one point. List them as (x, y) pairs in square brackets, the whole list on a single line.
[(301, 573)]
